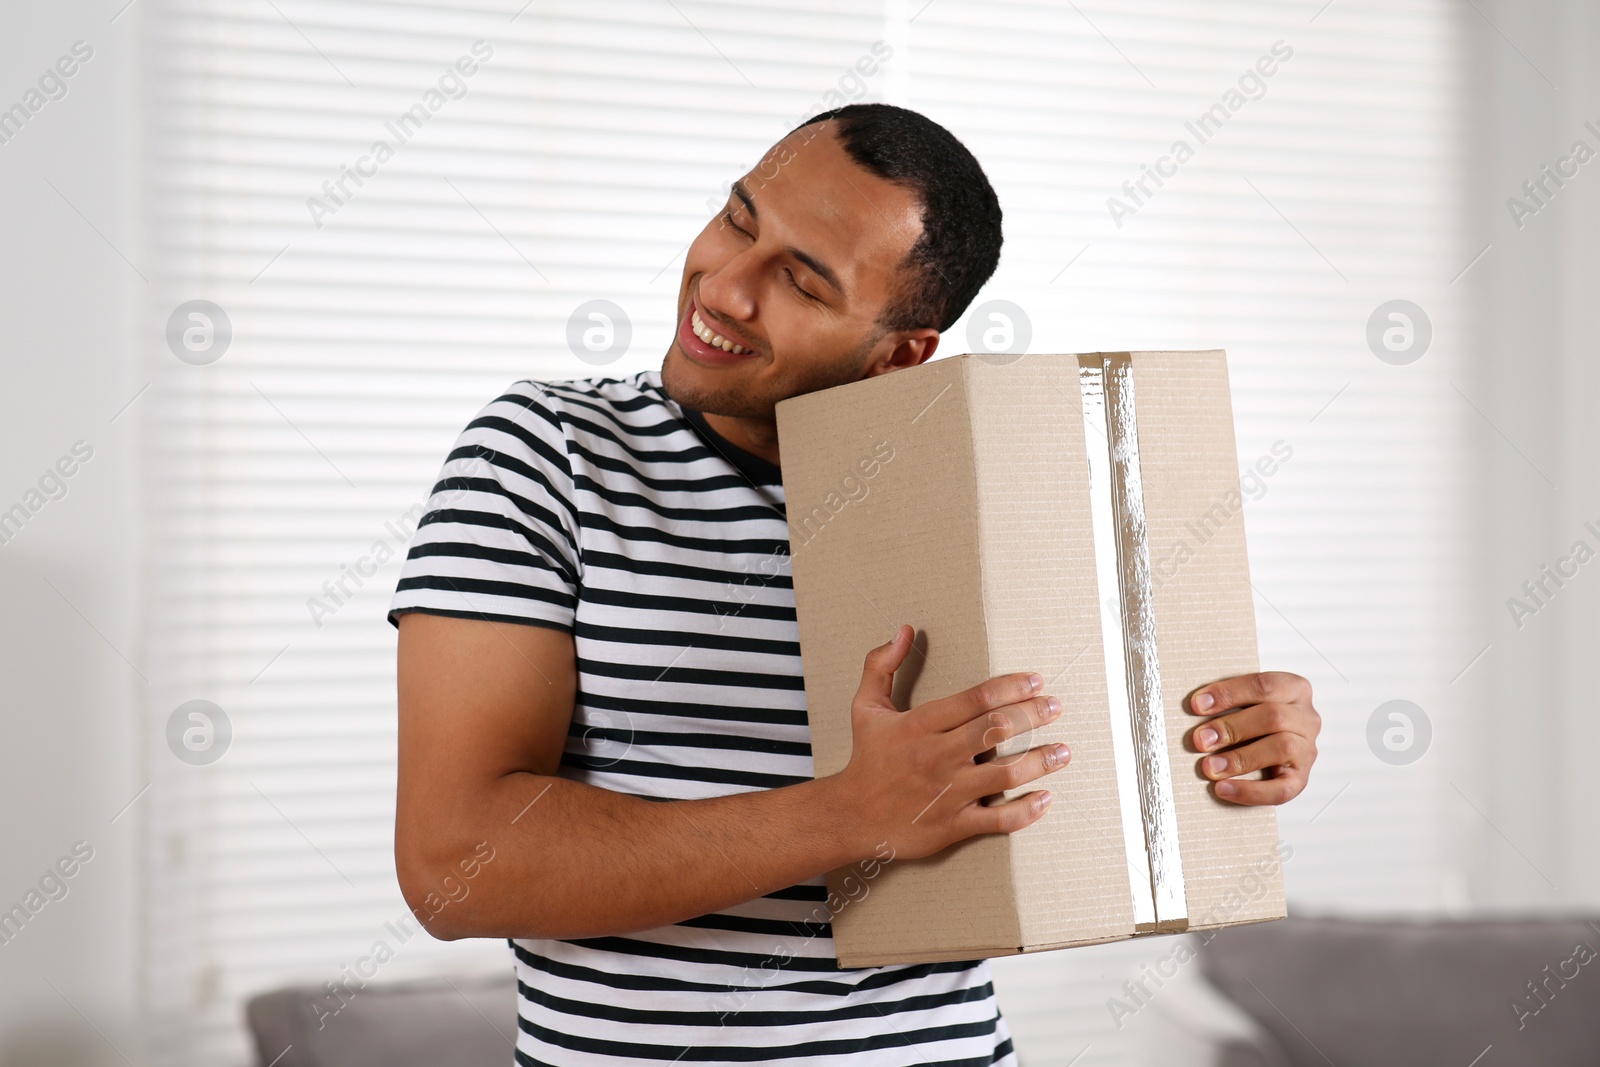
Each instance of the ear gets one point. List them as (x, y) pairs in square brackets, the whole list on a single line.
[(904, 349)]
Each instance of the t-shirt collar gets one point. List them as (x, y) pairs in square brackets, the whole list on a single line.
[(759, 470)]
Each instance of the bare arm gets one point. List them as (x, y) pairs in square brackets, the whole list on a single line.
[(484, 713)]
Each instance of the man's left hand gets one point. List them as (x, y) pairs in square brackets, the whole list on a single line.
[(1269, 726)]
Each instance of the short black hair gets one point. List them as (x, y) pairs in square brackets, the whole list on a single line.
[(960, 243)]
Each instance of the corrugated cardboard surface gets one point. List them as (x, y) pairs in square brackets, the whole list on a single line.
[(905, 551), (1205, 617), (1037, 554), (977, 532)]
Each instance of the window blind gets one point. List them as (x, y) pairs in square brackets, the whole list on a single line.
[(376, 300), (1329, 191)]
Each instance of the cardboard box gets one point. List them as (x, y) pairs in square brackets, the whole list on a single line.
[(1078, 516)]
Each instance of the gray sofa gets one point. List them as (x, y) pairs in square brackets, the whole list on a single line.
[(1309, 992), (1293, 993), (444, 1022)]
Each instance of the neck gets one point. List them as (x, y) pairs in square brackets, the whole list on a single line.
[(757, 436)]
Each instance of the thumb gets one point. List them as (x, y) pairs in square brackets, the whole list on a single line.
[(877, 673)]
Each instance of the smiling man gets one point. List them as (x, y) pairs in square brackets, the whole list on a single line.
[(599, 670)]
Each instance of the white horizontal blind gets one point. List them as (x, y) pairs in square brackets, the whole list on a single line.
[(1329, 191), (577, 163)]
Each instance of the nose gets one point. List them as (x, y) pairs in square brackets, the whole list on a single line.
[(729, 291)]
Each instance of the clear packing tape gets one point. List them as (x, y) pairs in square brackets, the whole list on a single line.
[(1133, 669)]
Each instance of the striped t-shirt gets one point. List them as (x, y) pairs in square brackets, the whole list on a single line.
[(604, 509)]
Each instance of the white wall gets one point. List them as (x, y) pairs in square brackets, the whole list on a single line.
[(1537, 372), (68, 754)]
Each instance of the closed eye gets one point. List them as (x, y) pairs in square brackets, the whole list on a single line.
[(727, 216), (796, 285)]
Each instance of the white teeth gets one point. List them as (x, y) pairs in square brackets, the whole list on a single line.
[(705, 333)]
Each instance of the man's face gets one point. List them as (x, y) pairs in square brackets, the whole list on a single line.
[(796, 270)]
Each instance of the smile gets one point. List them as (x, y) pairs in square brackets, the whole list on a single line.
[(711, 337)]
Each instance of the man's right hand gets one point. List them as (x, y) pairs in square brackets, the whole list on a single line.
[(914, 775)]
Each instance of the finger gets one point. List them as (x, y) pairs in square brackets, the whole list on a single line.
[(996, 776), (877, 672), (1007, 817), (990, 730), (1247, 725), (1248, 689), (1274, 750), (1285, 787), (958, 709)]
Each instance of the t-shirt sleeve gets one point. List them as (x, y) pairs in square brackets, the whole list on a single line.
[(498, 538)]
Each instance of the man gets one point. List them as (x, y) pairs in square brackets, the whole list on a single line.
[(599, 674)]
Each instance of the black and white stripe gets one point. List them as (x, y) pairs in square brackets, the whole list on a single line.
[(603, 509)]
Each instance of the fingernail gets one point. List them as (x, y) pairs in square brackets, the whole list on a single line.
[(1059, 755), (1204, 701), (1226, 789), (1054, 705), (1044, 799), (1216, 764), (1035, 682), (1207, 737)]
